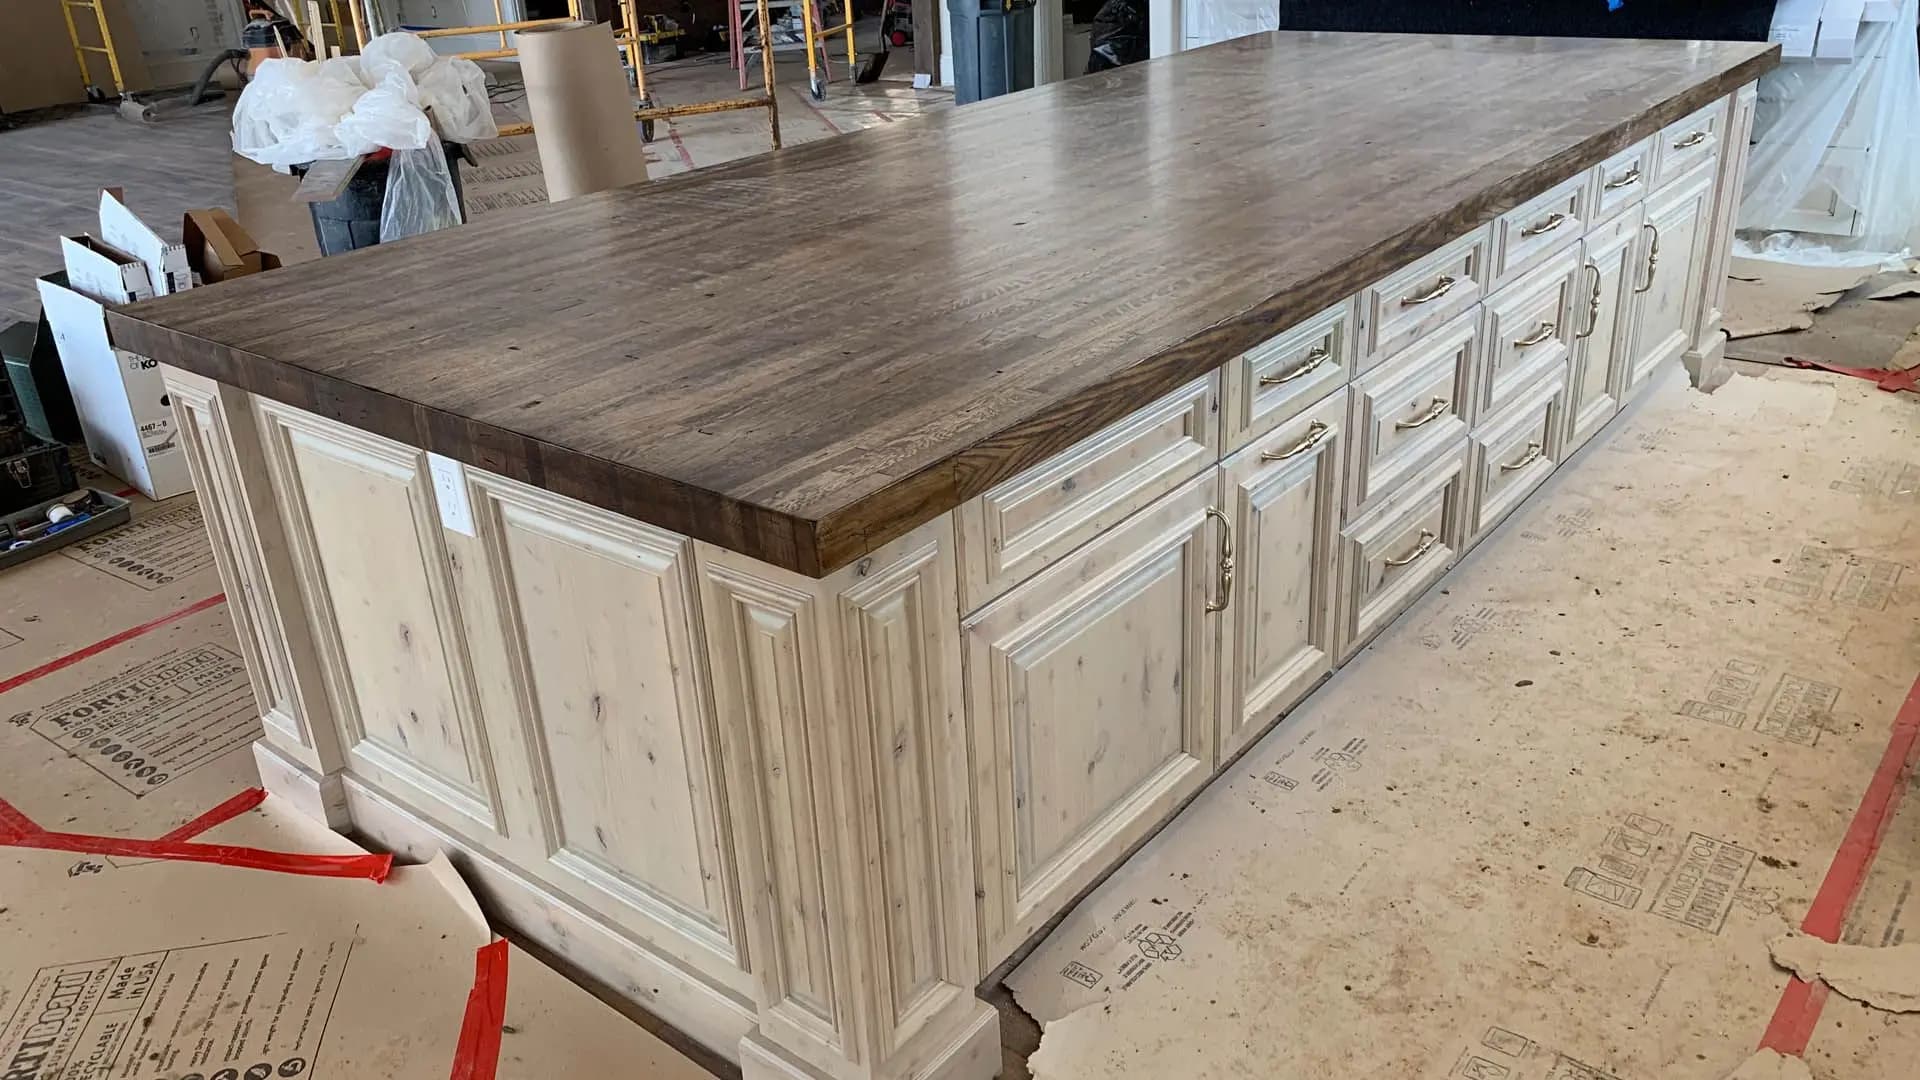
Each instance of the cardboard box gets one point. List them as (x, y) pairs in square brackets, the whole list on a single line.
[(118, 395), (166, 263), (104, 272), (218, 248)]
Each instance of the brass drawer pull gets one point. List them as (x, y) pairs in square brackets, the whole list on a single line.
[(1554, 221), (1692, 139), (1532, 455), (1441, 289), (1316, 431), (1632, 177), (1315, 358), (1427, 540), (1545, 331), (1653, 256), (1593, 305), (1434, 412), (1226, 562)]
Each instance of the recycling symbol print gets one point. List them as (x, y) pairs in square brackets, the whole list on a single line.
[(1158, 945)]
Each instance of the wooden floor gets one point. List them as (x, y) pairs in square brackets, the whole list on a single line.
[(51, 174)]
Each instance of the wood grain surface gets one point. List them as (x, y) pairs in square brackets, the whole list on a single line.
[(734, 353)]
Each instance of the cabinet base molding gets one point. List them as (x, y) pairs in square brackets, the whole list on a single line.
[(708, 1014), (322, 798), (1707, 365), (972, 1054)]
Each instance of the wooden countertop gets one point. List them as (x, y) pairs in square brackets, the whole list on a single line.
[(802, 355)]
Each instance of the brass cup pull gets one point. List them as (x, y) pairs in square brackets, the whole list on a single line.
[(1434, 412), (1545, 331), (1316, 431), (1631, 177), (1427, 540), (1532, 455), (1314, 359), (1554, 221), (1445, 285), (1694, 138), (1226, 563), (1653, 257), (1593, 305)]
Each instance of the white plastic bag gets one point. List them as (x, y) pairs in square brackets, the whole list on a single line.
[(388, 115), (454, 91), (420, 195), (289, 111)]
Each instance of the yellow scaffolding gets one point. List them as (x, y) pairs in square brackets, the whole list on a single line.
[(105, 47), (818, 76)]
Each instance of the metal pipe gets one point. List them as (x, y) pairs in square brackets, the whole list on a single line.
[(766, 68), (458, 31)]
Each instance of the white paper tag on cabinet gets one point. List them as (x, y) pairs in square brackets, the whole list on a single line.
[(450, 491)]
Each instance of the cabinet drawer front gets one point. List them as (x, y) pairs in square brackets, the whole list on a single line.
[(1684, 144), (1545, 224), (1513, 454), (1021, 526), (1277, 380), (1090, 693), (1391, 556), (1622, 180), (1602, 305), (1417, 300), (1404, 410), (1283, 500), (1529, 331)]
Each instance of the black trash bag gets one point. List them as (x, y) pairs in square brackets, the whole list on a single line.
[(1119, 35)]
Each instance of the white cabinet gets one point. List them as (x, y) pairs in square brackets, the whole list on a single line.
[(1603, 325), (1090, 693), (1672, 259), (1282, 498)]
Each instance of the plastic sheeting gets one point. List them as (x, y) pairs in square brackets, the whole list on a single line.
[(1208, 21), (396, 94), (1841, 130)]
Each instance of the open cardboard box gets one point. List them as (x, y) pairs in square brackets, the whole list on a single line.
[(218, 248)]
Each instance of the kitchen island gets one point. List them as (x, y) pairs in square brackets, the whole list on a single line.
[(786, 587)]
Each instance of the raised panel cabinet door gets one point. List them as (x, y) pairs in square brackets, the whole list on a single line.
[(365, 532), (1602, 304), (1672, 250), (1090, 708), (1283, 502)]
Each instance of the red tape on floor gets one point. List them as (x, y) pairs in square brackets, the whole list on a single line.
[(219, 815), (104, 644), (478, 1053), (1891, 380), (19, 830), (1798, 1013)]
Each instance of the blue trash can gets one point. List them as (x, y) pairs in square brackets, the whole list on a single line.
[(992, 48)]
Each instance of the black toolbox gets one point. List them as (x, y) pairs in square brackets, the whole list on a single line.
[(32, 471)]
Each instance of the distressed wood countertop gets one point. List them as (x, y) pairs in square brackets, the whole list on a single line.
[(802, 355)]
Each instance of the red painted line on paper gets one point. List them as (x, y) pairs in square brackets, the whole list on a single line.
[(674, 134), (219, 815), (126, 493), (478, 1053), (1798, 1013), (104, 644)]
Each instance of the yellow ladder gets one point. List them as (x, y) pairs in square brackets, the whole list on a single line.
[(106, 46)]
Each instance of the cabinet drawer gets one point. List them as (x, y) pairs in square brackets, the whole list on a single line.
[(1409, 407), (1423, 296), (1019, 527), (1528, 332), (1389, 557), (1684, 144), (1278, 380), (1510, 456), (1542, 225), (1621, 180)]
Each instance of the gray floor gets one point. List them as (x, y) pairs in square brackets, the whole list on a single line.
[(51, 174)]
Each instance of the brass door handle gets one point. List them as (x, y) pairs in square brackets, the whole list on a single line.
[(1532, 455), (1226, 562), (1554, 221), (1434, 412), (1427, 540), (1315, 358), (1653, 256), (1632, 177), (1543, 333), (1316, 431), (1445, 285), (1694, 138), (1593, 305)]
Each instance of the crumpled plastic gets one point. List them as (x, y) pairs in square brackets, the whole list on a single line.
[(398, 94), (420, 196)]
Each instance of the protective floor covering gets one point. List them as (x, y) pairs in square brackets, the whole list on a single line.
[(1546, 827)]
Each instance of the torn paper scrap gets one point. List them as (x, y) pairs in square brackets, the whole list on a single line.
[(1886, 978)]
